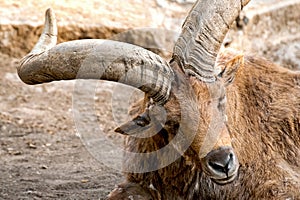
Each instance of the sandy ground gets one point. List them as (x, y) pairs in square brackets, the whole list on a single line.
[(41, 155)]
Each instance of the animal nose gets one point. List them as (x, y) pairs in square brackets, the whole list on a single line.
[(221, 165), (221, 161)]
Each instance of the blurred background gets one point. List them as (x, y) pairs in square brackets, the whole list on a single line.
[(41, 153), (270, 28)]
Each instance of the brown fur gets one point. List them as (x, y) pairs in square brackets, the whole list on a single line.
[(263, 105)]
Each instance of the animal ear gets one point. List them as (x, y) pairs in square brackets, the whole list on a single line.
[(135, 126), (230, 69)]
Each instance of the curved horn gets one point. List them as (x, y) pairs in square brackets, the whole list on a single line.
[(95, 59), (202, 35)]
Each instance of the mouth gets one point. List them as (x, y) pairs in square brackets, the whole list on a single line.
[(226, 180)]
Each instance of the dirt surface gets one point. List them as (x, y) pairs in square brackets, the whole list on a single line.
[(41, 155), (45, 153)]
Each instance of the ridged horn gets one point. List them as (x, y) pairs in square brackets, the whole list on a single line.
[(202, 35), (95, 59)]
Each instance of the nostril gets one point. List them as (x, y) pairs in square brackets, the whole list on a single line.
[(218, 167)]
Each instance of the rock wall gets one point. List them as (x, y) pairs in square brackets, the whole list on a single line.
[(21, 21), (270, 28)]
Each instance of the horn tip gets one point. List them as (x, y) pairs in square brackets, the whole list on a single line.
[(49, 12), (50, 22)]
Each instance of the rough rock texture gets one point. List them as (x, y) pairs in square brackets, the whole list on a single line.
[(21, 21), (270, 29)]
